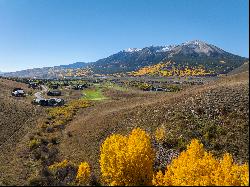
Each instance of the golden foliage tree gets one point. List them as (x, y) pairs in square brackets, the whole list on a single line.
[(127, 160), (196, 167), (83, 174), (168, 69)]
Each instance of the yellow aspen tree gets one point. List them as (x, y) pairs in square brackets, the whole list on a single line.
[(127, 160)]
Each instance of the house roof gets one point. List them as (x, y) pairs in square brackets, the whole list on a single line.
[(18, 91)]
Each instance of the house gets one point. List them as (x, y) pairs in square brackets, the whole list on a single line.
[(55, 102), (158, 89), (18, 92), (54, 93), (80, 86), (33, 85), (69, 87), (42, 102), (65, 84), (49, 102), (54, 86)]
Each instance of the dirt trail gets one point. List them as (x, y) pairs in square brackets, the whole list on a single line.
[(38, 95)]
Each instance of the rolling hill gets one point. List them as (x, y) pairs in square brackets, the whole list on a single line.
[(47, 72), (243, 68)]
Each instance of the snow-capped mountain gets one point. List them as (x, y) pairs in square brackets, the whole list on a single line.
[(197, 47), (194, 53)]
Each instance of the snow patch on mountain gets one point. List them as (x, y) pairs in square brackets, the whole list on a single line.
[(194, 42), (199, 47), (166, 48), (130, 50)]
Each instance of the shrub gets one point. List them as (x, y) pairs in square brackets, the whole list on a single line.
[(36, 181), (127, 160), (34, 143), (83, 174), (62, 173), (54, 140), (160, 134), (62, 115), (58, 165), (195, 166)]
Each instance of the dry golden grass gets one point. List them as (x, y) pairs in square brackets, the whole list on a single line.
[(151, 110), (123, 111), (18, 117)]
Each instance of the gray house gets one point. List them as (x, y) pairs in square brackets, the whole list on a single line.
[(18, 92)]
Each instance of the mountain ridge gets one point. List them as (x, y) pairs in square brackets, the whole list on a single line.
[(191, 53)]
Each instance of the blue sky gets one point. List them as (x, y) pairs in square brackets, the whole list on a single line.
[(38, 33)]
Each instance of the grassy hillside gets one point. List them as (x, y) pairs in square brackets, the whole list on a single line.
[(215, 113), (15, 112), (18, 117), (243, 68)]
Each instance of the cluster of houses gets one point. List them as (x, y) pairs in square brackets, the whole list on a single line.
[(169, 85), (70, 86), (149, 85), (51, 101), (19, 92), (36, 84)]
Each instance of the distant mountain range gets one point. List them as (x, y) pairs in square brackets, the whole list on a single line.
[(193, 54), (74, 65)]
